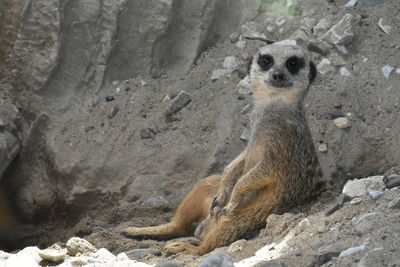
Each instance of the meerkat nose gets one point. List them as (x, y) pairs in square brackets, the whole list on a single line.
[(278, 77)]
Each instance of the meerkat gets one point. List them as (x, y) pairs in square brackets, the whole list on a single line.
[(278, 169)]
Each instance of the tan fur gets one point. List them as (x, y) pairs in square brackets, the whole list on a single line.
[(277, 170)]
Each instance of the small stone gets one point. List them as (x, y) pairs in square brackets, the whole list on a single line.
[(54, 253), (139, 253), (301, 36), (244, 87), (355, 201), (394, 204), (110, 98), (341, 33), (322, 26), (280, 21), (217, 74), (230, 63), (323, 148), (336, 114), (341, 123), (350, 251), (286, 42), (145, 133), (234, 37), (250, 29), (375, 194), (97, 229), (337, 204), (115, 83), (114, 112), (344, 72), (270, 25), (318, 47), (241, 44), (77, 245), (308, 23), (217, 258), (127, 89), (393, 182), (351, 3), (243, 71), (179, 102), (89, 128), (398, 70), (245, 136), (371, 3), (360, 187), (245, 109), (324, 67), (324, 258), (386, 70), (384, 27), (342, 49)]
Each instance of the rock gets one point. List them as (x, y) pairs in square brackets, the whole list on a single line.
[(393, 182), (371, 3), (323, 148), (241, 44), (317, 47), (323, 258), (344, 72), (386, 70), (270, 25), (250, 29), (234, 37), (269, 263), (359, 187), (384, 27), (236, 246), (89, 128), (230, 63), (375, 194), (394, 204), (122, 256), (76, 245), (243, 71), (114, 112), (217, 74), (178, 103), (336, 114), (308, 23), (337, 204), (145, 133), (301, 36), (398, 70), (54, 253), (352, 250), (341, 33), (245, 109), (104, 255), (217, 259), (324, 67), (286, 42), (28, 257), (168, 264), (244, 87), (4, 255), (364, 223), (355, 201), (341, 123), (322, 26), (110, 98), (139, 253), (342, 49), (351, 3), (97, 229), (280, 21), (245, 136)]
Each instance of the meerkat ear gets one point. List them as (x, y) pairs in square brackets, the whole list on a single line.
[(312, 73)]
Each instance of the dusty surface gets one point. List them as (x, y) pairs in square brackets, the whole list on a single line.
[(84, 169)]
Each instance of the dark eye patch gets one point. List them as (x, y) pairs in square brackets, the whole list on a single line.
[(265, 62), (294, 64)]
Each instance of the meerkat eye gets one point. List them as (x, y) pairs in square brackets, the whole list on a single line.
[(265, 62), (294, 64)]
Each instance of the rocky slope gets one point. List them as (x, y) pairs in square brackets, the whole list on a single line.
[(102, 135)]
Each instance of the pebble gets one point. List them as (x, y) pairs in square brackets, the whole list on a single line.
[(114, 112), (359, 187), (286, 42), (145, 133), (324, 258), (341, 33), (384, 27), (280, 21), (318, 47), (245, 136), (139, 253), (89, 128), (323, 148), (394, 204), (234, 37), (110, 98), (351, 3), (241, 44), (393, 182), (371, 3), (244, 87), (217, 74), (245, 109), (350, 251), (270, 25), (217, 258), (355, 201), (336, 114), (344, 72), (322, 26), (230, 63), (179, 102), (375, 194), (342, 49), (341, 123), (386, 70), (308, 23), (337, 204), (324, 67), (78, 245), (54, 253)]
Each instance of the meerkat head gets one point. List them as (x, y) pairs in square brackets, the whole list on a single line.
[(283, 71)]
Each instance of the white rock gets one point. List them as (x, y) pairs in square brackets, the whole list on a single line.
[(78, 245), (398, 70), (230, 63), (375, 194), (244, 86), (122, 256), (245, 136), (241, 44), (54, 253), (351, 3), (386, 70), (30, 252), (350, 251), (323, 148), (286, 42), (344, 72), (342, 49), (341, 33), (359, 187), (4, 255), (308, 23), (341, 122), (322, 26), (250, 30), (216, 74), (104, 255), (236, 246), (355, 201), (385, 28), (324, 67), (280, 21)]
